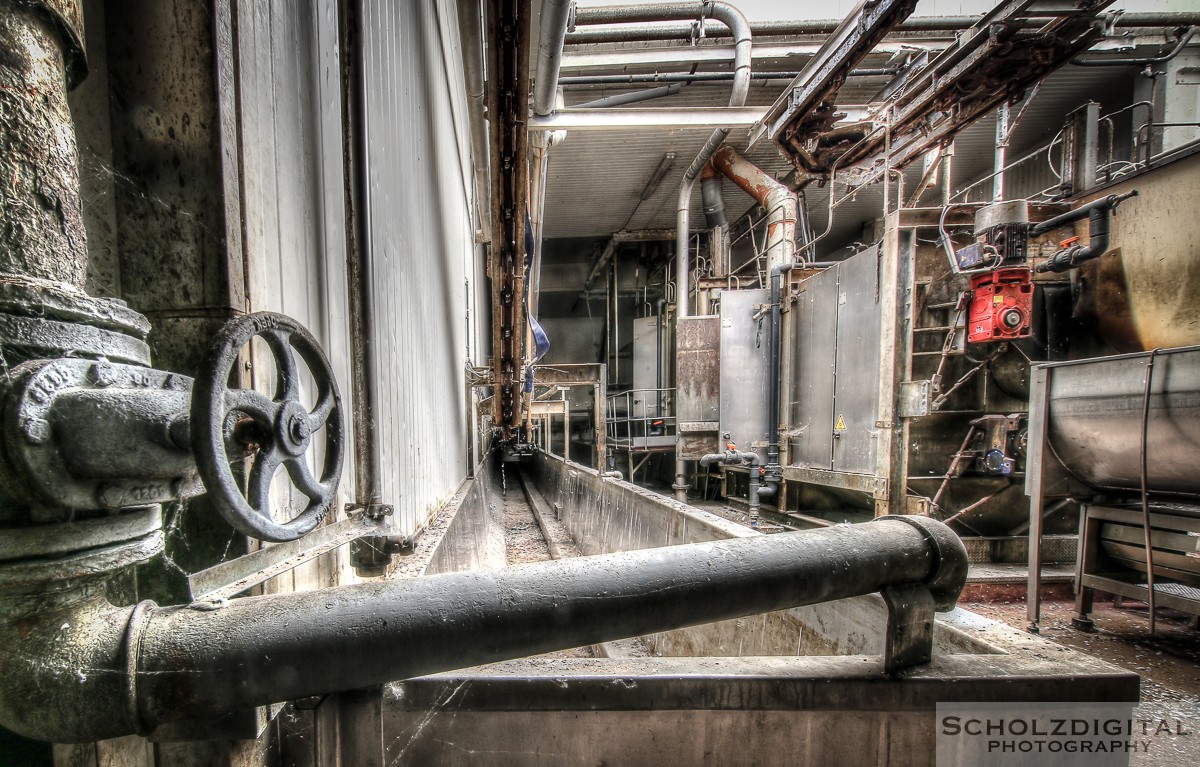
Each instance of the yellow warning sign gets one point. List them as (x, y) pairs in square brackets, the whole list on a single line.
[(840, 425)]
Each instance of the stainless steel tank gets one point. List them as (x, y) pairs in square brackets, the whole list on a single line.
[(1095, 420)]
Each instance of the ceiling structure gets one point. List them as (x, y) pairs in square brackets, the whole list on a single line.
[(597, 177)]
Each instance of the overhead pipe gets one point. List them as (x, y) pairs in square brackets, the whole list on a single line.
[(632, 97), (556, 15), (79, 669), (1098, 212), (702, 77), (826, 26)]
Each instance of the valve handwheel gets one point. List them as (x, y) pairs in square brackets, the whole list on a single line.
[(227, 422)]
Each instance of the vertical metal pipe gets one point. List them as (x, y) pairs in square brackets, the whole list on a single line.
[(365, 395), (43, 235), (1001, 152), (555, 15)]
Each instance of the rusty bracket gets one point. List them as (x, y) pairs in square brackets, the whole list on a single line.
[(369, 511), (909, 640)]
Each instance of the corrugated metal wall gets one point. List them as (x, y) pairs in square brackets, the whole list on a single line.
[(294, 222), (421, 236), (422, 247)]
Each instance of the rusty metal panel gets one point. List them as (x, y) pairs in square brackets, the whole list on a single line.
[(698, 385), (744, 363)]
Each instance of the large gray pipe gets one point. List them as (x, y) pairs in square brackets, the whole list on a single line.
[(43, 235), (77, 669), (555, 16)]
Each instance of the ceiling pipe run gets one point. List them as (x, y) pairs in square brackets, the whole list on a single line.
[(826, 26), (556, 15)]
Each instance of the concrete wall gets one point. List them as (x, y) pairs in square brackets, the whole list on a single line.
[(607, 516)]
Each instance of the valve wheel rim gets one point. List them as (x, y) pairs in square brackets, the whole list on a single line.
[(288, 425)]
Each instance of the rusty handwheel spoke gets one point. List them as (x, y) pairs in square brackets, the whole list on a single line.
[(320, 414), (287, 384), (279, 431), (259, 483), (255, 404), (302, 478)]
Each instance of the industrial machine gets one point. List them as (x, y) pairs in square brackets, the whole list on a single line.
[(1120, 434), (94, 441)]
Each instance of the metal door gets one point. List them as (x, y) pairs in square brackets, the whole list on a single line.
[(856, 376)]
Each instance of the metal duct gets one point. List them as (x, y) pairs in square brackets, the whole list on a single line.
[(780, 202), (123, 670), (710, 195)]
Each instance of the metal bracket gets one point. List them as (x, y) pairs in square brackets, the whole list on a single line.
[(369, 511), (909, 640)]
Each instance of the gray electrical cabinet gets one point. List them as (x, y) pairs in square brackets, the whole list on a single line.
[(836, 326), (744, 363)]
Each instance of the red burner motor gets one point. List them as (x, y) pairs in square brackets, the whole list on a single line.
[(1001, 305)]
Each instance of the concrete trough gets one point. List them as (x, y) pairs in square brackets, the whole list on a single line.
[(801, 686)]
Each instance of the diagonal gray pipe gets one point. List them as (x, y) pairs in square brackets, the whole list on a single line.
[(74, 668)]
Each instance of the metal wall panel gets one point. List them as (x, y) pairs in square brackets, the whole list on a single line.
[(646, 357), (856, 387), (289, 100), (814, 328), (421, 246), (698, 398), (419, 208), (744, 363)]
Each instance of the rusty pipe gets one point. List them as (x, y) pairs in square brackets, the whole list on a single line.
[(781, 203), (43, 236), (76, 669)]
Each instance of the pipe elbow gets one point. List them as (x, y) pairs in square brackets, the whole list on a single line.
[(63, 675)]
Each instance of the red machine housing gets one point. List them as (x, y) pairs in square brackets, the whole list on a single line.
[(1001, 305)]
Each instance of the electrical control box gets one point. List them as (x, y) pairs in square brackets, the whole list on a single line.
[(1001, 305)]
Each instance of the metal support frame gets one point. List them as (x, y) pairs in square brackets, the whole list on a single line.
[(1080, 150)]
